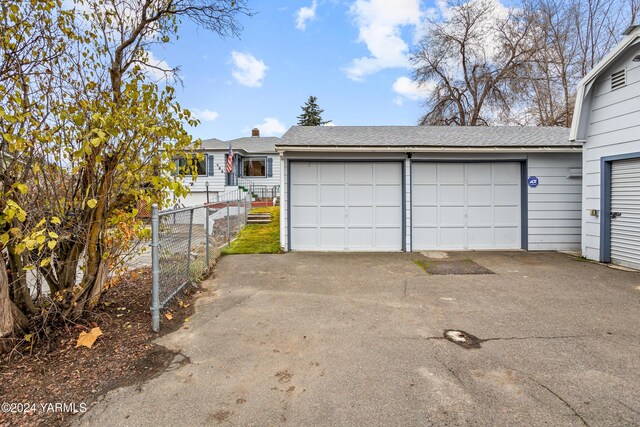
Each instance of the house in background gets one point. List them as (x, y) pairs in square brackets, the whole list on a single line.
[(413, 188), (255, 164), (607, 121)]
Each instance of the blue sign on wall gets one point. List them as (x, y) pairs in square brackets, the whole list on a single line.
[(532, 181)]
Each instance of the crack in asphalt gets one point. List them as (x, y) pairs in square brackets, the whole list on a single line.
[(628, 407), (515, 338), (454, 373), (560, 398)]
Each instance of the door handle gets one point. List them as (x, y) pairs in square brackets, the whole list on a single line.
[(615, 214)]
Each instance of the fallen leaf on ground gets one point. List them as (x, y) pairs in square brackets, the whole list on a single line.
[(169, 316), (88, 338)]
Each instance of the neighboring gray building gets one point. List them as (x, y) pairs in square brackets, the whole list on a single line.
[(607, 121), (255, 161), (411, 188)]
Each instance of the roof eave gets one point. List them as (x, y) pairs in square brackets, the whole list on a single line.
[(424, 149), (631, 34)]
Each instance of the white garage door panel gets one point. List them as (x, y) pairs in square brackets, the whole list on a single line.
[(625, 199), (331, 173), (304, 216), (466, 206), (331, 193), (346, 206)]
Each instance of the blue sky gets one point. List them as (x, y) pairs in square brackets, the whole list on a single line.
[(351, 54)]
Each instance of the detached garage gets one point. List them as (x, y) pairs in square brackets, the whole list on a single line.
[(607, 121), (412, 188)]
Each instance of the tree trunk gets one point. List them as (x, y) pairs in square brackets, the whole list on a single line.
[(11, 319), (6, 314)]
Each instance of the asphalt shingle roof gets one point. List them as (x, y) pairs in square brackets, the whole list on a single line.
[(249, 145), (425, 136)]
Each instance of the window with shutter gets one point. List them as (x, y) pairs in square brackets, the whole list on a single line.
[(210, 165)]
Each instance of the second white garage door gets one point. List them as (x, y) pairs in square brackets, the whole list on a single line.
[(466, 206), (346, 206)]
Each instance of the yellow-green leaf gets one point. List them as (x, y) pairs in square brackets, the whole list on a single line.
[(52, 244), (53, 235), (22, 188), (92, 203), (45, 262), (55, 220)]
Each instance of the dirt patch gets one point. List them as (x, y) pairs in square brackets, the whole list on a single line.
[(284, 376), (451, 266), (220, 416), (58, 372)]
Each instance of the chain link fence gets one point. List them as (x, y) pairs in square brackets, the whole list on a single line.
[(186, 242)]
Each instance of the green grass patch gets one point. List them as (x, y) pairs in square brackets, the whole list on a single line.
[(423, 264), (258, 238)]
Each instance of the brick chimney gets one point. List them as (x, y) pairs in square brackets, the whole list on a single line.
[(255, 133)]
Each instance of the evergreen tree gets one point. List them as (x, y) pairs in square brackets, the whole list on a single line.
[(311, 114)]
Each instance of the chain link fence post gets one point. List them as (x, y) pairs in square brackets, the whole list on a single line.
[(155, 269), (207, 258), (189, 246), (228, 226)]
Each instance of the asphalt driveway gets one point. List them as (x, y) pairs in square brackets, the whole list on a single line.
[(357, 339)]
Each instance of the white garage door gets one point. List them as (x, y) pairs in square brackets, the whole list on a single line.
[(466, 206), (346, 206), (625, 209)]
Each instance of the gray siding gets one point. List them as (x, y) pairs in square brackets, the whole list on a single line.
[(555, 204), (613, 128)]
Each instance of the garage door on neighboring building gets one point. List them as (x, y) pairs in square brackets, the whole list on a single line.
[(625, 212), (466, 206), (339, 206)]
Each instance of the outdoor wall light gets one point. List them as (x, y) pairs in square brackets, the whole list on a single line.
[(636, 58)]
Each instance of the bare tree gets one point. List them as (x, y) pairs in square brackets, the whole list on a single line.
[(468, 60), (569, 37)]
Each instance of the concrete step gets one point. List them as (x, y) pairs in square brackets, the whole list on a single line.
[(258, 221), (259, 216)]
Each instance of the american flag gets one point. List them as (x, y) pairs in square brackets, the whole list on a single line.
[(230, 160)]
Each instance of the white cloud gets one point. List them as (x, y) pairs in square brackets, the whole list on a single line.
[(410, 89), (379, 23), (305, 14), (205, 115), (271, 127), (248, 70), (157, 69)]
